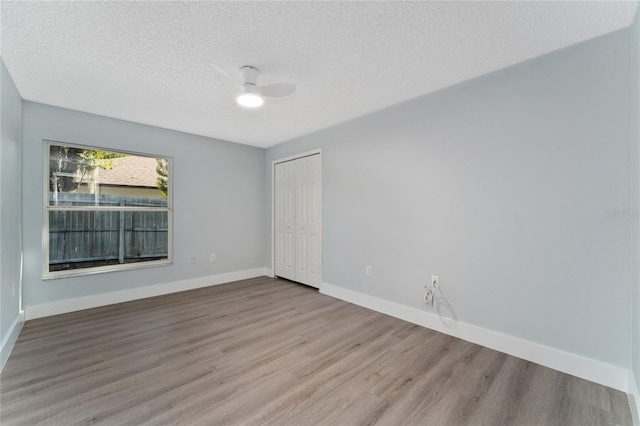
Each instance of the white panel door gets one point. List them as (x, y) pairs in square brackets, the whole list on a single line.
[(298, 220), (308, 220), (285, 225)]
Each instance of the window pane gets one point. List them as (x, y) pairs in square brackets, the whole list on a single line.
[(86, 239), (83, 176)]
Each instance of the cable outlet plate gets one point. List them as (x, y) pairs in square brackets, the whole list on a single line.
[(435, 281)]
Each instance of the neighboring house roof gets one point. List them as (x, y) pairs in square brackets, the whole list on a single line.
[(131, 171)]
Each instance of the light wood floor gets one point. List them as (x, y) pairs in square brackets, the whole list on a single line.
[(266, 351)]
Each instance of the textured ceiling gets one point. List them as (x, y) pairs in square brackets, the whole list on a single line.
[(150, 62)]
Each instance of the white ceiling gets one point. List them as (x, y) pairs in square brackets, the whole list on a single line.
[(150, 62)]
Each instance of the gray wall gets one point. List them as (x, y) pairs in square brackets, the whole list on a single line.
[(10, 201), (499, 186), (635, 314), (218, 201)]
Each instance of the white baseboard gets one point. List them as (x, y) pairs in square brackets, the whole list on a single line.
[(566, 362), (10, 339), (269, 272), (103, 299), (633, 395)]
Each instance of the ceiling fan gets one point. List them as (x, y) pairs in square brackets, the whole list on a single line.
[(252, 95)]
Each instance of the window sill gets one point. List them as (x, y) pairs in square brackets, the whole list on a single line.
[(104, 269)]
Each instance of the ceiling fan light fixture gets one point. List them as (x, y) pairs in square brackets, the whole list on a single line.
[(250, 100)]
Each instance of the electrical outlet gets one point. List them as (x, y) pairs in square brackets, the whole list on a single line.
[(435, 281), (194, 259), (369, 271), (428, 297), (212, 257)]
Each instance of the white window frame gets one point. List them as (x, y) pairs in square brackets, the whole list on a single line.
[(46, 274)]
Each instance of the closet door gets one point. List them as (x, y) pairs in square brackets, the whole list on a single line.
[(298, 220), (284, 219), (308, 220)]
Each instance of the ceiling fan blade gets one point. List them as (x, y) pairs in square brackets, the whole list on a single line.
[(222, 72), (277, 90)]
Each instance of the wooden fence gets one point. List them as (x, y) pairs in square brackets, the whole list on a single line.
[(85, 238)]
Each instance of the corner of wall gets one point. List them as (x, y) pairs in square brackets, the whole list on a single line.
[(633, 396), (11, 145), (10, 339)]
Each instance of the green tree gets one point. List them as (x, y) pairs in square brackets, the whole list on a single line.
[(69, 166), (163, 176)]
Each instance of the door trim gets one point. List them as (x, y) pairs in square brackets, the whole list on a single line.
[(273, 206)]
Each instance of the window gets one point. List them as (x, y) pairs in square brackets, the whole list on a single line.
[(105, 210)]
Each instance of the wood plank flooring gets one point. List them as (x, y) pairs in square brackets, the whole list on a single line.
[(267, 351)]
